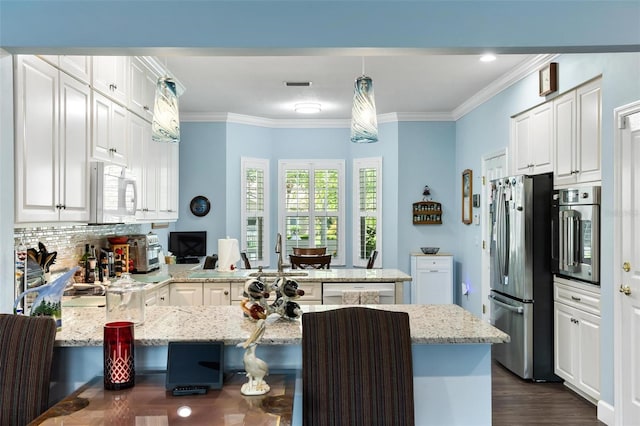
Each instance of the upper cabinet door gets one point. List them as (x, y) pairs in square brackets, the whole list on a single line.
[(77, 66), (110, 77), (578, 130), (589, 150), (142, 89), (532, 141), (565, 134), (75, 136), (36, 140), (110, 136)]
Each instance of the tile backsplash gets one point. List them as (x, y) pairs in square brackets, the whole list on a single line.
[(69, 240)]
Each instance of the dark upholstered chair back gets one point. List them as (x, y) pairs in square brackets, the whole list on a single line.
[(26, 352), (357, 368)]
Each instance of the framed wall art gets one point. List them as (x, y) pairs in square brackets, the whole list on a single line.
[(467, 192)]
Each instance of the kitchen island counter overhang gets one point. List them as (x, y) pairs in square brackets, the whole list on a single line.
[(451, 351)]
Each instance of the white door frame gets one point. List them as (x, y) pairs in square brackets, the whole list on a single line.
[(618, 345), (486, 230)]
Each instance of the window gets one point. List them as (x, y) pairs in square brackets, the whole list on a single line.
[(255, 210), (311, 206), (367, 209)]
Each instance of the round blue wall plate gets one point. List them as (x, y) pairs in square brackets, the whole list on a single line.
[(200, 205)]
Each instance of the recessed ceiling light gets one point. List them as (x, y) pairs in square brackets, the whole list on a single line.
[(487, 58), (307, 108)]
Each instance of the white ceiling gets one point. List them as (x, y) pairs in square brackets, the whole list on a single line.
[(254, 85)]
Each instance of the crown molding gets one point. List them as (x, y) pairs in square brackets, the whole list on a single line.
[(497, 86)]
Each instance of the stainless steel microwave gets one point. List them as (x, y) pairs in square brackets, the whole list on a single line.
[(114, 194), (576, 233)]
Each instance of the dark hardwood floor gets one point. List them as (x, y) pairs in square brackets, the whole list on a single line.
[(522, 402)]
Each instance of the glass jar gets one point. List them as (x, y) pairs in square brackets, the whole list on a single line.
[(125, 301)]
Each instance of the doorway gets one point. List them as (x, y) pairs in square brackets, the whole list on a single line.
[(626, 261)]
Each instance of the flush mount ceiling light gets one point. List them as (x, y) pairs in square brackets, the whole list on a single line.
[(166, 119), (307, 108), (488, 57), (364, 121)]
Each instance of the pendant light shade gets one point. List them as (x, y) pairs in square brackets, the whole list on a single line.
[(364, 121), (166, 120)]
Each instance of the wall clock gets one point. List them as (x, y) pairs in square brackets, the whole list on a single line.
[(200, 206), (548, 79)]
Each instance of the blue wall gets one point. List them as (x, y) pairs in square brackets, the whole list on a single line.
[(203, 170)]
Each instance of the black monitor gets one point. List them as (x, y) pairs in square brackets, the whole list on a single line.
[(195, 364), (188, 246)]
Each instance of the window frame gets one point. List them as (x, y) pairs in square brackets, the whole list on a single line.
[(311, 166), (247, 163), (358, 164)]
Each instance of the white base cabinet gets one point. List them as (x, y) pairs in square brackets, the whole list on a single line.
[(431, 279), (186, 294), (577, 336)]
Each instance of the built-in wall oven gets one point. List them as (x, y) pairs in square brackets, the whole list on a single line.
[(576, 229)]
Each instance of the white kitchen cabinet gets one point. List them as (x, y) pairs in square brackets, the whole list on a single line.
[(52, 133), (142, 89), (164, 296), (111, 77), (532, 140), (185, 294), (158, 297), (156, 168), (143, 166), (110, 137), (217, 294), (577, 337), (578, 135), (76, 66), (167, 180), (431, 279)]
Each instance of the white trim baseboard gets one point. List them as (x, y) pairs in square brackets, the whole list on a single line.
[(606, 413)]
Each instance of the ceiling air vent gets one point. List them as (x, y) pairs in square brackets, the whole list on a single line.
[(297, 83)]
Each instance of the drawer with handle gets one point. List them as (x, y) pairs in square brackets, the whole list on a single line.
[(577, 296)]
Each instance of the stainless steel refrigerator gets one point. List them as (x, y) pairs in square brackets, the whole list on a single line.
[(521, 280)]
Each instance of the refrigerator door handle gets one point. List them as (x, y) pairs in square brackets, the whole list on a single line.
[(516, 309)]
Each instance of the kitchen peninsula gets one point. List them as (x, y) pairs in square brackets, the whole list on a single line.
[(451, 351)]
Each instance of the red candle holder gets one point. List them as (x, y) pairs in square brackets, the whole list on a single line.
[(119, 368)]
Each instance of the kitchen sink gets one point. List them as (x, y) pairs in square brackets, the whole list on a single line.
[(277, 274)]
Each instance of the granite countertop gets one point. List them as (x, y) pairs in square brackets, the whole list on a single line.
[(430, 324)]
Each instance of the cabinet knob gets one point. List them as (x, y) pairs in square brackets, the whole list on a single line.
[(625, 289), (577, 299), (162, 298), (226, 292), (146, 108), (626, 266)]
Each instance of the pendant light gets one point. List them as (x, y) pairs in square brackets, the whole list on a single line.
[(364, 121), (166, 119)]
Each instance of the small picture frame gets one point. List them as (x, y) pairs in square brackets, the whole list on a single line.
[(548, 79), (467, 196)]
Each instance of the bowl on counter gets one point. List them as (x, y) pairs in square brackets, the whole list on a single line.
[(118, 240), (429, 250)]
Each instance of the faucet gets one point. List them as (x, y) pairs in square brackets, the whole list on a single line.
[(279, 251)]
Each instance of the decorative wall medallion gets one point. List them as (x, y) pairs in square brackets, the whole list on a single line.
[(200, 206)]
